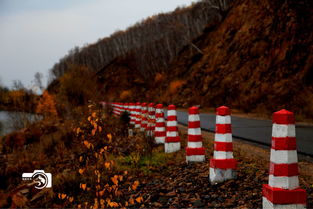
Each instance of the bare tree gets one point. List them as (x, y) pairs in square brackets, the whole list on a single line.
[(18, 85), (38, 80)]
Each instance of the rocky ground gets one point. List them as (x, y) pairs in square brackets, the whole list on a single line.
[(178, 184)]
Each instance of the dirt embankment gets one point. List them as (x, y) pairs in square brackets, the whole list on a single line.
[(258, 59)]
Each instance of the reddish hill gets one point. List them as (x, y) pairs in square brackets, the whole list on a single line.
[(258, 59)]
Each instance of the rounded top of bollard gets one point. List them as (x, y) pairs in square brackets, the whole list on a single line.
[(194, 110), (151, 104), (159, 106), (144, 104), (283, 117), (171, 107), (222, 110), (138, 103)]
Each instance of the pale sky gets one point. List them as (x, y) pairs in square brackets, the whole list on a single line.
[(35, 34)]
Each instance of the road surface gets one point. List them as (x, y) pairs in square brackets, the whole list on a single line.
[(254, 130)]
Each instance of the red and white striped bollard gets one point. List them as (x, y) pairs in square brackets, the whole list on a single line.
[(159, 132), (144, 120), (223, 165), (151, 120), (194, 151), (282, 190), (172, 140), (138, 117)]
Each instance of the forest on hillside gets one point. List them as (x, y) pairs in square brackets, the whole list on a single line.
[(153, 43), (211, 53)]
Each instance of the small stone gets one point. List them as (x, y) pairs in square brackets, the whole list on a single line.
[(157, 204), (181, 189), (197, 203), (207, 197), (220, 199), (163, 199), (171, 194)]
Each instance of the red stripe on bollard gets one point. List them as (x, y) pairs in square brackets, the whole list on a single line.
[(284, 169), (195, 151), (194, 124), (223, 146), (223, 163), (223, 128), (284, 196), (284, 143)]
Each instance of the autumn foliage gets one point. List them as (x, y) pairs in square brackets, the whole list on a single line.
[(47, 105), (99, 183), (17, 100)]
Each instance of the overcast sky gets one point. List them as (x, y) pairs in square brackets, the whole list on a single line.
[(35, 34)]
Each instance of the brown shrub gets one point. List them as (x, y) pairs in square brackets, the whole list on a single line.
[(175, 86), (126, 94), (159, 77), (77, 86)]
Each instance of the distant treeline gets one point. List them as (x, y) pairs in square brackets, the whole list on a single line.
[(152, 43), (17, 100)]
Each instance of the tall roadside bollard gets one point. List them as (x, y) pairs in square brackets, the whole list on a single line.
[(132, 108), (159, 132), (223, 165), (194, 151), (151, 120), (144, 115), (172, 140), (282, 190), (138, 117)]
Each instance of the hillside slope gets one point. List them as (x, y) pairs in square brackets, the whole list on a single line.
[(258, 59)]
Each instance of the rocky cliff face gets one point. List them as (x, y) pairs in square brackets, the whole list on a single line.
[(258, 59)]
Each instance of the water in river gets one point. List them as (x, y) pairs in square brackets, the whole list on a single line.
[(11, 121)]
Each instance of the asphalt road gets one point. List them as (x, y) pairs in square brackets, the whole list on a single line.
[(255, 130)]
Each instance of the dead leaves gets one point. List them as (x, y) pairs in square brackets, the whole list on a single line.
[(62, 196), (107, 165), (135, 185), (19, 200), (81, 171), (88, 144), (71, 199), (139, 199), (112, 204), (115, 179), (109, 137), (132, 201), (83, 186)]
